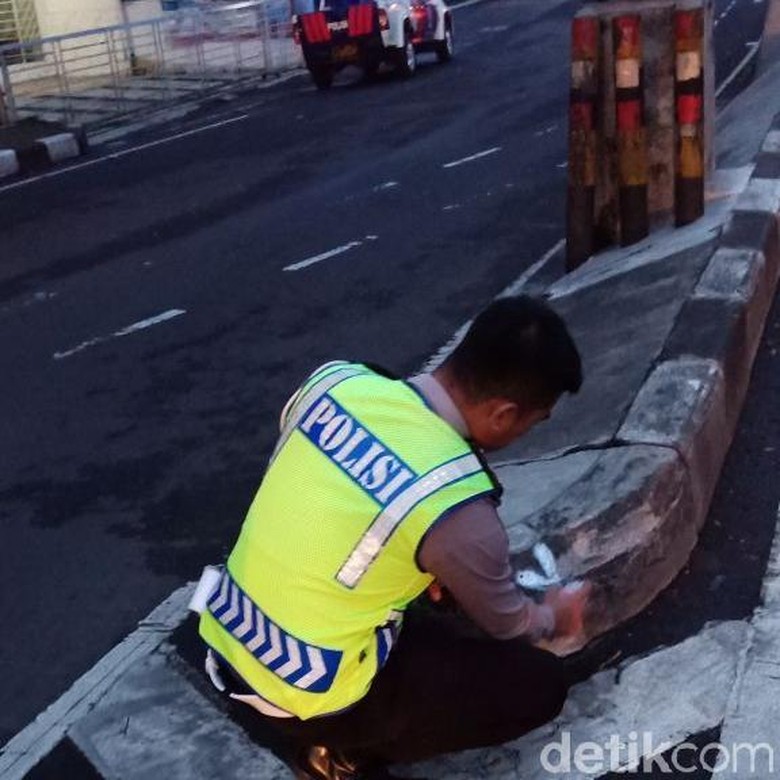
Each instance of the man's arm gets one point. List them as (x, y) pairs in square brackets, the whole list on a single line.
[(468, 553)]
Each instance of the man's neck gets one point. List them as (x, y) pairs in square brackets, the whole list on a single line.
[(440, 400)]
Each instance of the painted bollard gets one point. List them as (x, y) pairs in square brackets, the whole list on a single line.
[(689, 91), (631, 138), (583, 109)]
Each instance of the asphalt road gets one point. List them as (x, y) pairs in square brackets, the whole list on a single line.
[(128, 462), (737, 28), (150, 332)]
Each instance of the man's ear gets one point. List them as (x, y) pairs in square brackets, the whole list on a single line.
[(503, 414)]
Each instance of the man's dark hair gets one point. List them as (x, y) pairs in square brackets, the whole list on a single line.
[(518, 348)]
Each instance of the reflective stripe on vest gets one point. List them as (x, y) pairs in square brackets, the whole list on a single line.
[(302, 405), (386, 522), (305, 666)]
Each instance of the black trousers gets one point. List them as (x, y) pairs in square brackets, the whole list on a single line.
[(441, 691)]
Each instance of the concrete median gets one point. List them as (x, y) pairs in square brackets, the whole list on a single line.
[(650, 452)]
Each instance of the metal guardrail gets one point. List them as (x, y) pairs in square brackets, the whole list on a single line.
[(17, 20), (94, 76)]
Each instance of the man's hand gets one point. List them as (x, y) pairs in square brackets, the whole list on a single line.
[(435, 592), (568, 604)]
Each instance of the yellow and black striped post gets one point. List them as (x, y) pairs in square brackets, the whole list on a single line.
[(583, 100), (631, 137), (689, 92)]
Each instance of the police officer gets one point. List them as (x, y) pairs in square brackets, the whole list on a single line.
[(377, 490)]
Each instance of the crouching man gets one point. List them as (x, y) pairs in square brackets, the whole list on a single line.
[(377, 490)]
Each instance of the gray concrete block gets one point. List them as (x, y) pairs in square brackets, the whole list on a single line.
[(749, 230), (531, 486), (628, 525), (771, 142), (715, 329), (767, 164), (9, 164), (682, 405), (728, 328), (62, 146), (751, 709), (668, 408), (761, 194), (731, 273), (153, 724)]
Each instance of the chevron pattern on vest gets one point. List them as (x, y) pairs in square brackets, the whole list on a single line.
[(305, 666)]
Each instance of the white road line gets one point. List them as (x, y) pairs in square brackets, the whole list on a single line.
[(339, 250), (466, 4), (124, 153), (729, 8), (726, 12), (134, 328), (734, 73), (472, 157), (515, 288), (148, 323)]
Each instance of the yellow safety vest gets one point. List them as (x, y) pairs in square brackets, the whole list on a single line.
[(313, 594)]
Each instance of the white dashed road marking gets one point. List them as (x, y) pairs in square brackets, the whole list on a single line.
[(740, 67), (134, 328), (339, 250), (471, 158)]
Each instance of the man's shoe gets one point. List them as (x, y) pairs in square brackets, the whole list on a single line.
[(321, 763)]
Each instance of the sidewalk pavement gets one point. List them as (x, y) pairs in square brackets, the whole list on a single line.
[(34, 144), (617, 486)]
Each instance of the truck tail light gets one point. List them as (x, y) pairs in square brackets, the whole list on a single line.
[(361, 19)]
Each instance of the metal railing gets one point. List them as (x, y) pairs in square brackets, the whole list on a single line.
[(18, 21), (93, 77)]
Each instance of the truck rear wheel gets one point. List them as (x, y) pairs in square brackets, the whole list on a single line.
[(370, 69), (405, 57), (322, 76), (446, 48)]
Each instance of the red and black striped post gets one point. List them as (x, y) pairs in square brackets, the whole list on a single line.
[(689, 91), (632, 144), (583, 97)]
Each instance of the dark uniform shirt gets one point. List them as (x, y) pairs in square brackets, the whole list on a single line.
[(468, 552)]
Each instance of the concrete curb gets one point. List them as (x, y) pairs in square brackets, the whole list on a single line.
[(42, 153), (632, 518)]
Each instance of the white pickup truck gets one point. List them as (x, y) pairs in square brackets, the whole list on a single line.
[(368, 34)]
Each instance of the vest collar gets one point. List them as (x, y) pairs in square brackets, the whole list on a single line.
[(440, 401)]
